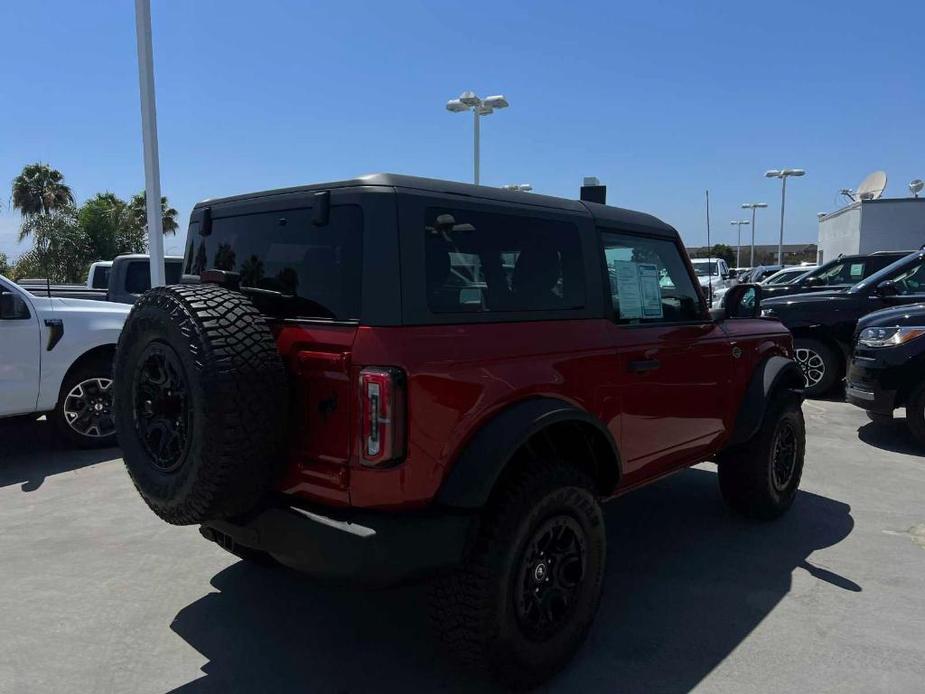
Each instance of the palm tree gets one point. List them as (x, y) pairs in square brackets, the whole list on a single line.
[(139, 208), (38, 189)]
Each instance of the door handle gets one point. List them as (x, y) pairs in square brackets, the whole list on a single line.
[(643, 365)]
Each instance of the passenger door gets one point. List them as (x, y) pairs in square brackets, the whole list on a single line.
[(671, 373), (20, 353)]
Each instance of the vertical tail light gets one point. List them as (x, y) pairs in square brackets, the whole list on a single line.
[(382, 415)]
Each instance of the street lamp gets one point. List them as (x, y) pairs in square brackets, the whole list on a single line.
[(468, 101), (783, 175), (739, 223), (521, 187), (753, 206)]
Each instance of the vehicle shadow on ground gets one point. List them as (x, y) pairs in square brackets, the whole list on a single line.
[(30, 452), (893, 437), (687, 582)]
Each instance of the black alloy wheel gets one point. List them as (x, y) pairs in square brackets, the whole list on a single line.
[(550, 577), (163, 417), (784, 456)]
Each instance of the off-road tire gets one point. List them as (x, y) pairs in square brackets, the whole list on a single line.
[(98, 368), (222, 357), (747, 472), (832, 363), (473, 609), (915, 414)]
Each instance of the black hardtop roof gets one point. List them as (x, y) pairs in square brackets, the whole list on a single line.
[(602, 213)]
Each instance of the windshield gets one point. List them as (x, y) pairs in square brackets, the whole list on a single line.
[(838, 272), (702, 268), (787, 276), (908, 273)]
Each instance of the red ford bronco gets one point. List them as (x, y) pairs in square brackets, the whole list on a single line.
[(394, 377)]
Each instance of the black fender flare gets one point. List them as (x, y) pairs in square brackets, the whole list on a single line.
[(475, 471), (771, 375)]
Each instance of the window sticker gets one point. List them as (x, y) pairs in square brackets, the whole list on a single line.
[(627, 286), (857, 270), (650, 289)]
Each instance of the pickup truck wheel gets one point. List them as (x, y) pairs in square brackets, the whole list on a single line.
[(819, 363), (200, 402), (84, 414), (915, 414), (524, 601), (759, 479)]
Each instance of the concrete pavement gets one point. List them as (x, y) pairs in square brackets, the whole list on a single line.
[(98, 595)]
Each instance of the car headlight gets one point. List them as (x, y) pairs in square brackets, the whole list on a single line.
[(889, 337), (767, 313)]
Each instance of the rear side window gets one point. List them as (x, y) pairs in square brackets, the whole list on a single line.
[(316, 269), (138, 276), (648, 280), (478, 262), (101, 277)]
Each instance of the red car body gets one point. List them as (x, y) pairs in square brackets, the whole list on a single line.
[(458, 378)]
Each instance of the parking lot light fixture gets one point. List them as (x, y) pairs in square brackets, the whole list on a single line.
[(783, 175), (469, 101), (738, 223), (521, 187), (753, 206)]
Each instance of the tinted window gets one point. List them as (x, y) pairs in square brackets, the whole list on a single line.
[(317, 269), (649, 280), (12, 306), (138, 275), (483, 262), (912, 279), (101, 277), (842, 272)]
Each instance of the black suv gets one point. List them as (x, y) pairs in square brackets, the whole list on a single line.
[(823, 323), (887, 369), (841, 273)]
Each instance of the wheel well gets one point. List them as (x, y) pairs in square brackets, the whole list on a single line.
[(577, 443), (824, 339), (101, 353)]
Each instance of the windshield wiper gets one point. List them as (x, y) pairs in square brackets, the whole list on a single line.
[(294, 300)]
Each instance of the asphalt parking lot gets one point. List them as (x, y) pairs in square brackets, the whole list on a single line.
[(98, 595)]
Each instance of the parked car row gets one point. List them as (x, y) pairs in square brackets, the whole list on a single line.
[(121, 280), (823, 322)]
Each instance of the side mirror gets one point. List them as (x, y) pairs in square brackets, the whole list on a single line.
[(887, 288), (814, 282), (740, 301)]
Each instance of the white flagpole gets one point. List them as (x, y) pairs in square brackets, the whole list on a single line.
[(149, 138)]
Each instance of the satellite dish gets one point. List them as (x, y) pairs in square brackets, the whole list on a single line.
[(871, 188), (916, 186)]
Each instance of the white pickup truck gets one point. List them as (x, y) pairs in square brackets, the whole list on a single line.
[(56, 359)]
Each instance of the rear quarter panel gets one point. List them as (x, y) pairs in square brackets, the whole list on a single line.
[(459, 377)]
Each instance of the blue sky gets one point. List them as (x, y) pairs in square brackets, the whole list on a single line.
[(661, 100)]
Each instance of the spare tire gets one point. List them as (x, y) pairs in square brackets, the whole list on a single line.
[(200, 402)]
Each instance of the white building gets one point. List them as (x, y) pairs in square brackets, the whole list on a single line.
[(865, 226)]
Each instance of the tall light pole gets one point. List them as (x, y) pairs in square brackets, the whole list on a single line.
[(753, 206), (739, 223), (149, 140), (468, 101), (783, 175)]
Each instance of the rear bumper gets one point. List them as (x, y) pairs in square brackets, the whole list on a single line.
[(361, 548)]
